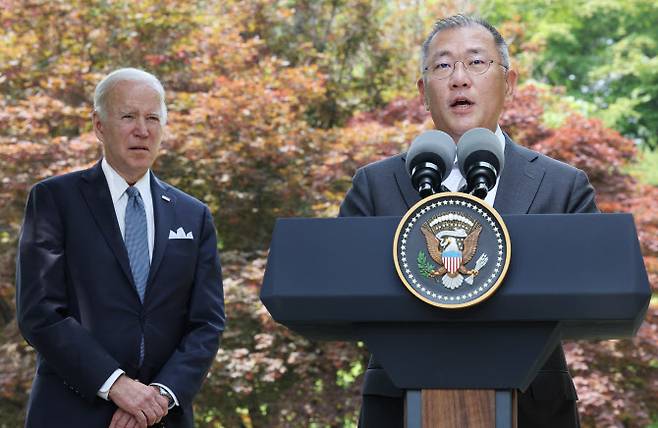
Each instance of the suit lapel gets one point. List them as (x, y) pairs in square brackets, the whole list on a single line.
[(163, 213), (517, 187), (97, 195), (409, 194), (519, 180)]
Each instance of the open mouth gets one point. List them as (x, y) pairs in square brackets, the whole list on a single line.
[(461, 102)]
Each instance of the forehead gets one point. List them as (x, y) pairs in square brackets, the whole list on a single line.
[(462, 41), (128, 95)]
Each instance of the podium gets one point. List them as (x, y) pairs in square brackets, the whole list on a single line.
[(571, 276)]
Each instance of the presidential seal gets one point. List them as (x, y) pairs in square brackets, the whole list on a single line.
[(452, 250)]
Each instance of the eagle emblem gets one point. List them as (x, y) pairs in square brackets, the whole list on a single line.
[(451, 250), (452, 241)]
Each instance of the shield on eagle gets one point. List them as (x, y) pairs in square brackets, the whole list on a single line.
[(452, 260)]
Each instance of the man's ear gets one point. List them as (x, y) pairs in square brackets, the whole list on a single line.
[(98, 125), (421, 90), (510, 82)]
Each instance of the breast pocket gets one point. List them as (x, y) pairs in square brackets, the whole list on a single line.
[(178, 264)]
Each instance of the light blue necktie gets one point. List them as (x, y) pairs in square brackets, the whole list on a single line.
[(137, 245)]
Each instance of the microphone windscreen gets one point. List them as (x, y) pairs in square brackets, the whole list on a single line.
[(432, 146), (479, 140)]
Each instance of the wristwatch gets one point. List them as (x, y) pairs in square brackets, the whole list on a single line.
[(166, 394)]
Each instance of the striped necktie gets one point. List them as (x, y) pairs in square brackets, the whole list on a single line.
[(137, 246)]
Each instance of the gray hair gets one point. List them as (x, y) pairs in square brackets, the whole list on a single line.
[(105, 86), (460, 21)]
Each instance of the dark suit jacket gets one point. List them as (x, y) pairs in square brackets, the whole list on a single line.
[(78, 307), (530, 183)]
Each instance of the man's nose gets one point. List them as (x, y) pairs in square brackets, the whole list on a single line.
[(141, 130), (460, 77)]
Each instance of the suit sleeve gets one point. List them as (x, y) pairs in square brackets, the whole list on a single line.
[(358, 202), (186, 369), (43, 304), (582, 195)]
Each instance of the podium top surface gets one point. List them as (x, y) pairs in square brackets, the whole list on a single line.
[(584, 271)]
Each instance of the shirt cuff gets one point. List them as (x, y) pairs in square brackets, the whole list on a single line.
[(104, 392), (170, 393)]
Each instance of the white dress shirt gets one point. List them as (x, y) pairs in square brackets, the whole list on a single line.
[(118, 186), (456, 180)]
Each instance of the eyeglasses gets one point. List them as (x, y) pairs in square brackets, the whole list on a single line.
[(474, 66)]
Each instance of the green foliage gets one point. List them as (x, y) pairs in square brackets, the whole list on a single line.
[(273, 105), (602, 51), (646, 167), (345, 378), (424, 266), (363, 47)]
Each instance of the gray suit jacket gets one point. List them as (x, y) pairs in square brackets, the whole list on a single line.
[(530, 183)]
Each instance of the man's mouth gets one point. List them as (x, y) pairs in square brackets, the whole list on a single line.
[(461, 103), (139, 148)]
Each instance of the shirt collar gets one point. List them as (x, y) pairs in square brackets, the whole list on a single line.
[(501, 137), (118, 184)]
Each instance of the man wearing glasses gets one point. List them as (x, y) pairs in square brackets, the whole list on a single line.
[(466, 78)]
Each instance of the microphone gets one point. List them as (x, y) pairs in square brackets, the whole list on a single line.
[(429, 160), (481, 159)]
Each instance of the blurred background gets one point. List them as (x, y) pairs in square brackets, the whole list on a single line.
[(273, 105)]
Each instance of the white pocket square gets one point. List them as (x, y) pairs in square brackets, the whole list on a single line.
[(180, 234)]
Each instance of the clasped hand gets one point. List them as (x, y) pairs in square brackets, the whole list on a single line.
[(139, 405)]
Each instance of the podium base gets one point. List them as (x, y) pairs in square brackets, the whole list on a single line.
[(460, 408)]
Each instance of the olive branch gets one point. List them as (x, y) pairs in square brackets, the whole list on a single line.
[(424, 266)]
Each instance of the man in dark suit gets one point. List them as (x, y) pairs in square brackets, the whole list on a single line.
[(466, 78), (119, 285)]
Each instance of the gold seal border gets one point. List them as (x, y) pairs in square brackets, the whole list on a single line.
[(478, 201)]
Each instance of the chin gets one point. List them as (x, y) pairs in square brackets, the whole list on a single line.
[(461, 130), (138, 167)]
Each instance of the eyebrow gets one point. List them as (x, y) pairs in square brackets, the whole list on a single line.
[(133, 111), (446, 52)]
